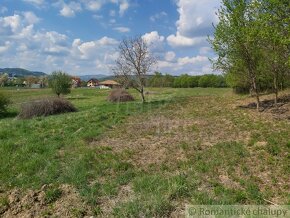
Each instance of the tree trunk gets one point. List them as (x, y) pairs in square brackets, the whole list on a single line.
[(276, 90), (255, 89), (142, 95)]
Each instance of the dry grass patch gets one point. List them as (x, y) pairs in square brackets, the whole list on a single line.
[(120, 95), (45, 107), (281, 111), (45, 202), (213, 144)]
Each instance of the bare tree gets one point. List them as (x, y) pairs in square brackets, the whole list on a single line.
[(134, 62)]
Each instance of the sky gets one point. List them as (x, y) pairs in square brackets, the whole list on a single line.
[(81, 37)]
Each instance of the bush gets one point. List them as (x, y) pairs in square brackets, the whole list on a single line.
[(60, 82), (120, 95), (45, 107), (4, 101)]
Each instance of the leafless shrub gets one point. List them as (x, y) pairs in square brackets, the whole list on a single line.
[(45, 107), (120, 95)]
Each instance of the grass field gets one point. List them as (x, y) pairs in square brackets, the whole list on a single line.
[(184, 146)]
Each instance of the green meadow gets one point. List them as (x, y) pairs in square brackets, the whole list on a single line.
[(183, 146)]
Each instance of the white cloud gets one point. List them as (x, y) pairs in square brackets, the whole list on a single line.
[(30, 47), (112, 13), (190, 65), (158, 16), (154, 40), (23, 42), (205, 50), (183, 41), (30, 17), (194, 23), (93, 5), (97, 17), (5, 47), (10, 24), (35, 2), (98, 55), (169, 56), (196, 17), (107, 41), (69, 10), (192, 60), (124, 5), (91, 49), (122, 29), (96, 5), (49, 50)]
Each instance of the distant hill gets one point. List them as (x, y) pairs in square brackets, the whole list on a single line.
[(102, 77), (19, 72), (97, 76)]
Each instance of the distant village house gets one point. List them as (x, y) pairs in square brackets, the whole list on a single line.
[(93, 83), (110, 84), (76, 82)]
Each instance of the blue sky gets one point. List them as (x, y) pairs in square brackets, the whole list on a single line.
[(81, 37)]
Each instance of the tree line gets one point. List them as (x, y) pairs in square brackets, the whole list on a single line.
[(252, 43), (23, 81), (187, 81)]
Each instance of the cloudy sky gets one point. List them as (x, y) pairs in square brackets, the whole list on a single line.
[(81, 36)]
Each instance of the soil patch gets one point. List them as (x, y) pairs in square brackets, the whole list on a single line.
[(33, 203), (279, 111)]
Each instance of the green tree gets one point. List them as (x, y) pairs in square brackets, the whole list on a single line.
[(236, 41), (31, 80), (168, 80), (274, 34), (60, 82), (156, 80), (193, 81)]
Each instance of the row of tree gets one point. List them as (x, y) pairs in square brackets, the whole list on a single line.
[(252, 43), (5, 80), (187, 81)]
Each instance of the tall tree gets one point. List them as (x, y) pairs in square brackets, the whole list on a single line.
[(134, 63), (60, 82), (236, 42), (274, 33)]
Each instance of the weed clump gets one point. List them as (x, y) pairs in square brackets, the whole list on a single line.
[(45, 107), (4, 101), (120, 95), (51, 195)]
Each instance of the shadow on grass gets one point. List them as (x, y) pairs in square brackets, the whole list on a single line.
[(268, 103), (8, 115), (77, 98), (158, 102)]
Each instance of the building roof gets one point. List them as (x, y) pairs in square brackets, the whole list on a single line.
[(93, 80), (109, 82)]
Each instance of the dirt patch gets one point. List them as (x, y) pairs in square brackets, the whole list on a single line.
[(281, 111), (107, 203), (33, 203), (228, 182), (166, 135)]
